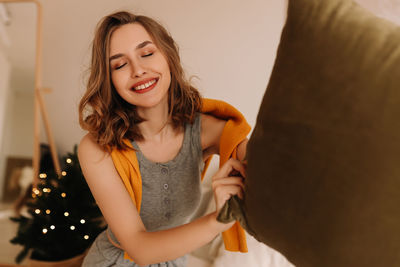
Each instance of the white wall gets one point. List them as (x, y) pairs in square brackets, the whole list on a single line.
[(229, 44)]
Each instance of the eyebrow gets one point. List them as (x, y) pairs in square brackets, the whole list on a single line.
[(139, 46)]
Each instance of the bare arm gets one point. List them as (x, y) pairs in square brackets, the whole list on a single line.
[(124, 220)]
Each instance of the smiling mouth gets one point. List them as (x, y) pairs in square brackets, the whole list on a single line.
[(145, 86)]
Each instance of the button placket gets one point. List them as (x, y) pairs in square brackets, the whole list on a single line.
[(164, 172), (165, 185)]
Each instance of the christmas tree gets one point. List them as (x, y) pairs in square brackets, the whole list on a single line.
[(62, 217)]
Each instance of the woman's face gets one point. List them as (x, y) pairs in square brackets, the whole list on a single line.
[(139, 71)]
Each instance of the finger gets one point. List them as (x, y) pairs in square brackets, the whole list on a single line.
[(228, 167), (228, 181), (237, 167), (224, 193)]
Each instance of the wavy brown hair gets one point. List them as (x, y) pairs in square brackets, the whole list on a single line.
[(108, 117)]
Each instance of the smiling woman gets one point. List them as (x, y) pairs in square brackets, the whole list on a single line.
[(139, 68), (149, 134), (130, 51)]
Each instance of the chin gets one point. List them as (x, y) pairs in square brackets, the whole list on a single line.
[(154, 102)]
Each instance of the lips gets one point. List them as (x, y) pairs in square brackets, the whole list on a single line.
[(145, 86)]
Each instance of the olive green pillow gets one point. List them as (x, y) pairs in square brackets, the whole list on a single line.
[(323, 184)]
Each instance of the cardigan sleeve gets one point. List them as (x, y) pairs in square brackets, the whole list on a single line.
[(127, 166), (235, 131)]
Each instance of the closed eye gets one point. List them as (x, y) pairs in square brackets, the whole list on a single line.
[(147, 55), (120, 66)]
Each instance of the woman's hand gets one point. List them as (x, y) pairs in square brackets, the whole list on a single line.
[(227, 182)]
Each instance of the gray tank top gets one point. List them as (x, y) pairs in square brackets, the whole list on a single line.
[(170, 196), (171, 190)]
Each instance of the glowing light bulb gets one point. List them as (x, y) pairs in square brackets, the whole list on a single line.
[(83, 221), (69, 160), (66, 214), (36, 191), (72, 227), (63, 195), (52, 227), (44, 231), (42, 175), (37, 211), (63, 173), (86, 237), (48, 211)]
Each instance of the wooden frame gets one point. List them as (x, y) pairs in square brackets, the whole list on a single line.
[(39, 106)]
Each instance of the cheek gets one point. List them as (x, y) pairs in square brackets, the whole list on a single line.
[(113, 79), (167, 73), (117, 83), (118, 79)]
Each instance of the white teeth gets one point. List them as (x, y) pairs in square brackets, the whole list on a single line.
[(144, 86)]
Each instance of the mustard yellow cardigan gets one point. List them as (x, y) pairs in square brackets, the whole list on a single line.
[(235, 131)]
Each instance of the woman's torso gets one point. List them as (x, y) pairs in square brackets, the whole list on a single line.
[(170, 196)]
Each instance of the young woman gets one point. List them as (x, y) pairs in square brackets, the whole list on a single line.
[(149, 134)]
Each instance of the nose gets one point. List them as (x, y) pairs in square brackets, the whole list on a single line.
[(137, 69)]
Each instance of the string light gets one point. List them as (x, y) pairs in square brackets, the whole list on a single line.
[(43, 176), (63, 173), (52, 227), (48, 211), (72, 227), (36, 191), (66, 214), (83, 221), (37, 211), (86, 237), (46, 190), (63, 195), (44, 231), (69, 160)]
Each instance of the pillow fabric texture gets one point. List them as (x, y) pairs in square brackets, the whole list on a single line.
[(323, 175)]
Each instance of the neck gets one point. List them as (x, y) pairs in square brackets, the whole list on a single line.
[(157, 125)]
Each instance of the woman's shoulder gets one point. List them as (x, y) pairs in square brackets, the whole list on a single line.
[(88, 148)]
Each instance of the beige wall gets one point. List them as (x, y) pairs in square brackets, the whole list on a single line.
[(4, 84), (18, 123), (229, 44)]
